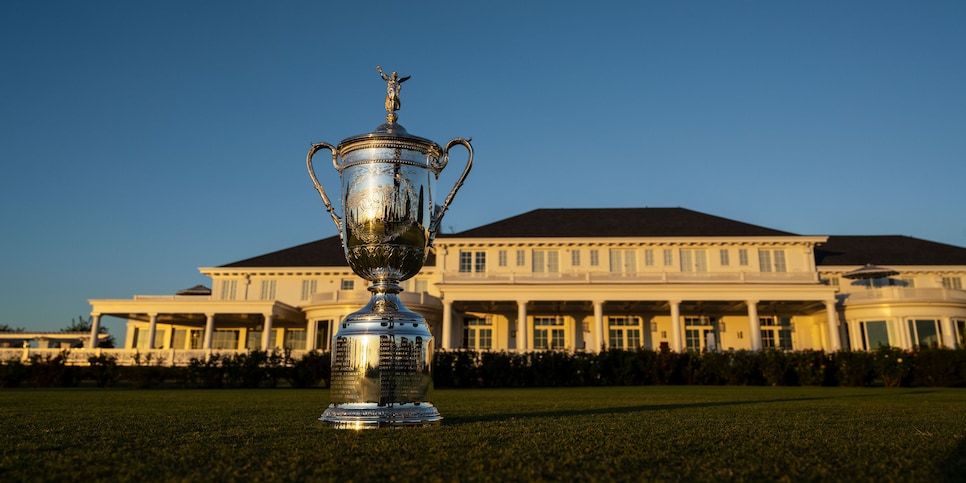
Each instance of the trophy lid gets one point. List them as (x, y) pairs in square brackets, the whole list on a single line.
[(390, 131)]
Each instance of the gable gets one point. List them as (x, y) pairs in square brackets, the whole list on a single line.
[(616, 222)]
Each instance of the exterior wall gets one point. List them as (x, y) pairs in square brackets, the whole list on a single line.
[(574, 279), (917, 294), (745, 288)]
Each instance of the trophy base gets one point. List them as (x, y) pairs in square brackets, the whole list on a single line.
[(374, 416)]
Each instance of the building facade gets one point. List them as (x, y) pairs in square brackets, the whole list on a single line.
[(585, 280)]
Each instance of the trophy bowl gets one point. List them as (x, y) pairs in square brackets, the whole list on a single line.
[(382, 358)]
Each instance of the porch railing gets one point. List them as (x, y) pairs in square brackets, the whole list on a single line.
[(906, 294), (629, 277), (125, 357)]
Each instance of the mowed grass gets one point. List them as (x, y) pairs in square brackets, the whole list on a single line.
[(689, 433)]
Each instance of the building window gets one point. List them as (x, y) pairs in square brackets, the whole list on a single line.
[(575, 258), (347, 284), (594, 258), (623, 260), (141, 338), (478, 333), (501, 258), (472, 262), (694, 261), (268, 290), (308, 288), (696, 330), (776, 333), (925, 333), (743, 257), (953, 283), (548, 333), (295, 339), (224, 339), (421, 285), (228, 289), (545, 261), (772, 261), (195, 341), (178, 339), (624, 333), (254, 341), (521, 258), (668, 257), (649, 257), (875, 334), (778, 256), (725, 257), (764, 260)]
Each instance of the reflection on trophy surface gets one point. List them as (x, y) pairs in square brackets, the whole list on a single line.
[(382, 358)]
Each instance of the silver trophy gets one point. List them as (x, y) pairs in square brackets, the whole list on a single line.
[(383, 353)]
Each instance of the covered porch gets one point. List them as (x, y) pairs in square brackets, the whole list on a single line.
[(187, 323)]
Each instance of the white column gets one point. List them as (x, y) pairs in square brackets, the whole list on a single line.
[(330, 340), (949, 332), (267, 333), (855, 335), (152, 329), (600, 340), (209, 330), (676, 344), (754, 326), (522, 338), (95, 329), (311, 335), (834, 338), (447, 341)]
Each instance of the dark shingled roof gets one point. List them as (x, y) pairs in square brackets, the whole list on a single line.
[(616, 222), (884, 250), (887, 250), (326, 252)]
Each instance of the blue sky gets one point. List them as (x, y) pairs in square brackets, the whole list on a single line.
[(142, 140)]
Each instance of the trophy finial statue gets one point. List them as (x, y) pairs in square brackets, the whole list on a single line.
[(393, 86)]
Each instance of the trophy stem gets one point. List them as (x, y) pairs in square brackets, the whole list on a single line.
[(381, 366)]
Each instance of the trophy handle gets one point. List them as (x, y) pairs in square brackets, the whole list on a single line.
[(434, 227), (318, 186)]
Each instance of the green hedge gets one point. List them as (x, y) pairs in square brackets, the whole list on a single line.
[(249, 370), (889, 366)]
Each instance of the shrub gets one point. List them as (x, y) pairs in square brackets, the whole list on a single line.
[(776, 368), (313, 368), (46, 370), (103, 370), (743, 369), (12, 373), (893, 365), (854, 368), (147, 371), (812, 368)]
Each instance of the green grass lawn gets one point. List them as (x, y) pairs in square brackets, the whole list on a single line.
[(691, 433)]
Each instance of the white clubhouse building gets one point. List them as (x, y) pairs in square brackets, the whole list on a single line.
[(585, 279)]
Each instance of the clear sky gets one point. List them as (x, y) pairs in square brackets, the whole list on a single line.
[(142, 140)]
